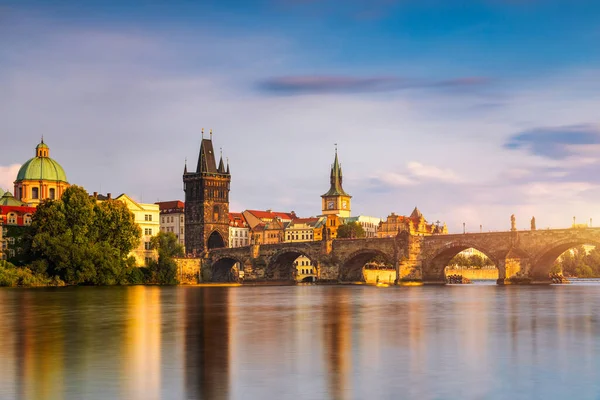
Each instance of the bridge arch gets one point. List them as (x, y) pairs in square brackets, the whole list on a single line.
[(221, 269), (434, 266), (280, 266), (544, 260), (215, 241), (352, 267)]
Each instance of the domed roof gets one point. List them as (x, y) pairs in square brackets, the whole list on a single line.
[(42, 167), (7, 199), (1, 192)]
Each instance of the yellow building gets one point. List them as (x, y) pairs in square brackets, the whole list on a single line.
[(305, 270), (147, 216), (336, 201), (302, 229), (415, 224), (330, 226), (40, 178)]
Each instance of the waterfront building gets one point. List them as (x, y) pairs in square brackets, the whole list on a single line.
[(40, 178), (415, 224), (271, 232), (147, 217), (305, 270), (330, 227), (239, 232), (14, 215), (369, 224), (302, 229), (206, 202), (172, 218), (336, 201)]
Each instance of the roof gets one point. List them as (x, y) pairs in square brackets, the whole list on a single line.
[(170, 205), (272, 214), (42, 168), (313, 221), (8, 199), (1, 192), (335, 180), (237, 219), (416, 213)]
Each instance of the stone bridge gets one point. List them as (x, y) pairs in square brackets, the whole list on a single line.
[(520, 256)]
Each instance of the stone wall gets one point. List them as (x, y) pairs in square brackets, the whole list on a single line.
[(380, 276), (475, 274), (188, 270)]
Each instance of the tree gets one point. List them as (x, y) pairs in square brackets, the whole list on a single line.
[(350, 230), (164, 270), (82, 242)]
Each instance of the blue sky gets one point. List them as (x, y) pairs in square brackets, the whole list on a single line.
[(471, 110)]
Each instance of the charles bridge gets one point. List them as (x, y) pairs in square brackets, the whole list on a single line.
[(520, 256)]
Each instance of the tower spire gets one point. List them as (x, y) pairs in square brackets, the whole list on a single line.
[(336, 178), (227, 172), (185, 167)]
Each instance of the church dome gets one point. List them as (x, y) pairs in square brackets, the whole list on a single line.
[(42, 167)]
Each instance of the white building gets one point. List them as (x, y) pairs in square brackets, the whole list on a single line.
[(172, 218), (239, 231), (369, 224)]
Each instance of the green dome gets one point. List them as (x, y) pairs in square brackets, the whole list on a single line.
[(42, 168)]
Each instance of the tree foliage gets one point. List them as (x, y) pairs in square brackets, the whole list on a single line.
[(82, 242), (472, 261), (579, 263), (164, 271), (350, 230)]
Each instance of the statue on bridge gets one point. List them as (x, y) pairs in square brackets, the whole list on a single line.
[(533, 223), (513, 223)]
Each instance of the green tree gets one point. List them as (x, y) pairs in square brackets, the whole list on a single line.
[(350, 230), (164, 270), (82, 242)]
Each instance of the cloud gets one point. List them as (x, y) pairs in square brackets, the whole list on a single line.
[(431, 172), (8, 174), (326, 84), (556, 142)]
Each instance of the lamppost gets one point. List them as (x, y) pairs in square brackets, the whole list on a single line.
[(480, 228), (464, 228)]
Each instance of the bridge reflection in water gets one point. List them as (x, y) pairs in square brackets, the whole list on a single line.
[(519, 256)]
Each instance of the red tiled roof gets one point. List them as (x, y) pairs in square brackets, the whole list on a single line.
[(237, 219), (169, 205), (271, 214)]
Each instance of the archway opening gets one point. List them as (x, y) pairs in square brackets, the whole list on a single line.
[(370, 266), (292, 266), (225, 270), (573, 260), (215, 241), (471, 265), (458, 260)]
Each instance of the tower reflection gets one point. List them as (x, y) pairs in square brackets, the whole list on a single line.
[(337, 332), (207, 343)]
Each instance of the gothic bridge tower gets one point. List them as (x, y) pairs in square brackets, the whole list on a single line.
[(336, 201), (206, 202)]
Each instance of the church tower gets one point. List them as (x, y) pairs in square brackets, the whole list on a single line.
[(336, 201), (206, 202)]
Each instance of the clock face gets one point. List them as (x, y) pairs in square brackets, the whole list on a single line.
[(330, 205), (344, 204)]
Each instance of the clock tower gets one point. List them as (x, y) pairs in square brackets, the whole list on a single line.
[(336, 201)]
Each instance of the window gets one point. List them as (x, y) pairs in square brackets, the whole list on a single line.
[(27, 219), (12, 218), (148, 231), (182, 218), (181, 231), (35, 193), (148, 260), (148, 217), (147, 246), (52, 194)]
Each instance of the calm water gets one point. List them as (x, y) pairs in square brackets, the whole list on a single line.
[(305, 342)]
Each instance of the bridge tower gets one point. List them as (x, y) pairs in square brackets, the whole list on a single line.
[(336, 201), (206, 202)]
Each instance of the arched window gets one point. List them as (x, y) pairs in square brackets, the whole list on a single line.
[(35, 193), (52, 194), (216, 213)]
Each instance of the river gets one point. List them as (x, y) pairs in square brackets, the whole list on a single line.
[(302, 342)]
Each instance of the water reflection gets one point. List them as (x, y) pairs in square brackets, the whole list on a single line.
[(310, 342)]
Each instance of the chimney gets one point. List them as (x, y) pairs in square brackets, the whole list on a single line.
[(109, 196), (95, 195)]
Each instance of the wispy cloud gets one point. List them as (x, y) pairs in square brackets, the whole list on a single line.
[(431, 172), (8, 175), (555, 142), (324, 84)]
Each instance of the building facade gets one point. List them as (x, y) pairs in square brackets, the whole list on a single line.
[(369, 224), (415, 224), (336, 201), (172, 218), (13, 214), (305, 270), (40, 178), (239, 232), (302, 229), (206, 202)]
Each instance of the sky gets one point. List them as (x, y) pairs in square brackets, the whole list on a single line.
[(470, 110)]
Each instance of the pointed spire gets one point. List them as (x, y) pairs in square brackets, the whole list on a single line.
[(336, 178), (221, 168), (185, 167), (227, 172), (211, 134)]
